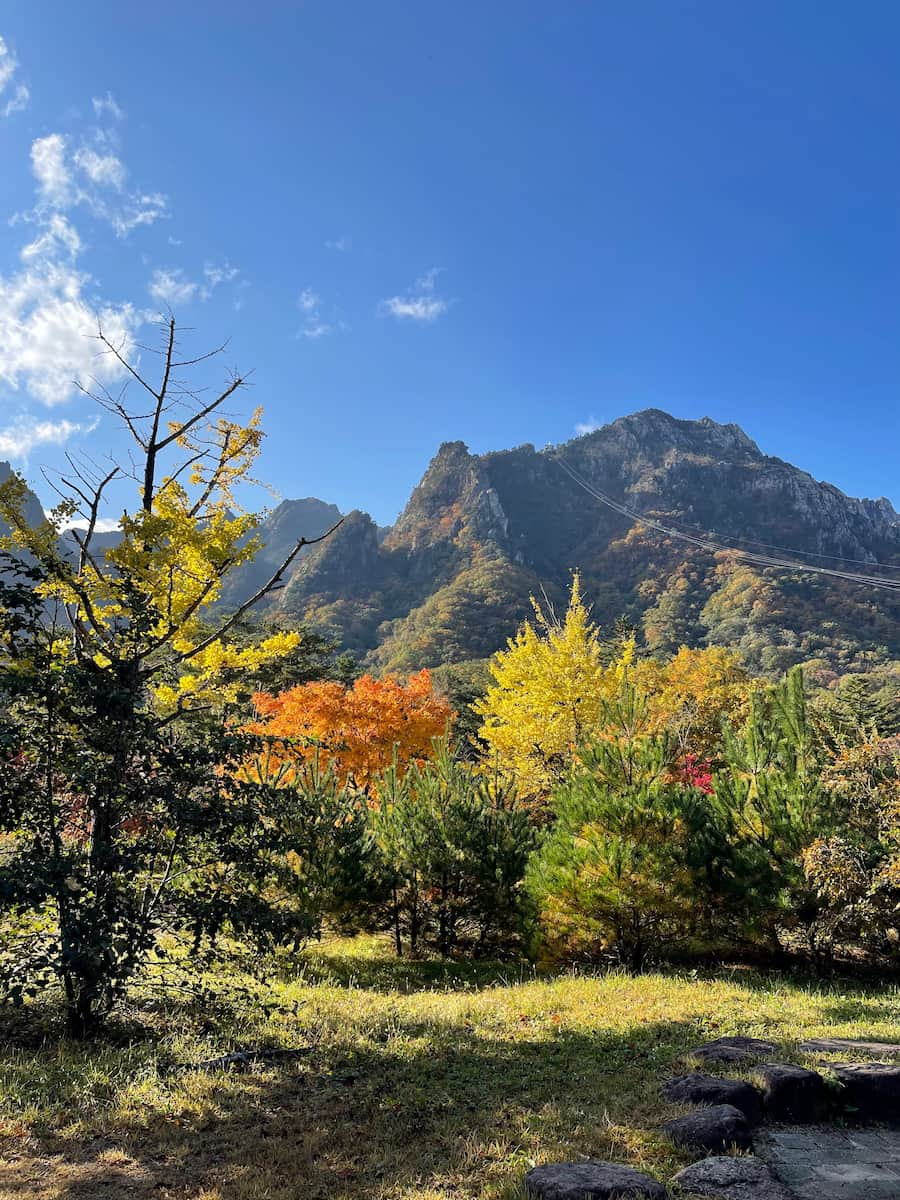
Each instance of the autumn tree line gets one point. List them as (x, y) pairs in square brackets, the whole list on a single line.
[(178, 784)]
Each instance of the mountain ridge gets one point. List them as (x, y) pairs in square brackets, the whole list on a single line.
[(481, 533)]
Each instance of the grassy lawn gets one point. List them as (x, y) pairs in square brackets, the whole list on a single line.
[(422, 1080)]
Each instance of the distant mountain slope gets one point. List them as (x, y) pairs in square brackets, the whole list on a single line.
[(34, 514), (480, 533), (280, 532)]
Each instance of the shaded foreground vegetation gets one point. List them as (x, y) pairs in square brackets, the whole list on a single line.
[(421, 1079)]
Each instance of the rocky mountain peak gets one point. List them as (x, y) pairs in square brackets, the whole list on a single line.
[(454, 501), (652, 431)]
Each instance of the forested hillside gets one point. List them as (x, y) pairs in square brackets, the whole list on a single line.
[(481, 533)]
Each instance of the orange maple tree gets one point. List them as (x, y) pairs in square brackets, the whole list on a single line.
[(357, 729)]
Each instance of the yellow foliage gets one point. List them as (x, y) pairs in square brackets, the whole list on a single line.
[(692, 692), (547, 695), (159, 581)]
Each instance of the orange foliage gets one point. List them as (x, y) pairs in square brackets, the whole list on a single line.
[(357, 729)]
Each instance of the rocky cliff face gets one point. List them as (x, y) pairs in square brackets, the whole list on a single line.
[(281, 530), (481, 533)]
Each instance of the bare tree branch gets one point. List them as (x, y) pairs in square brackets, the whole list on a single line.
[(258, 595)]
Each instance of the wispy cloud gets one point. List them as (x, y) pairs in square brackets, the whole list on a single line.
[(314, 324), (106, 106), (89, 173), (101, 525), (48, 164), (14, 94), (18, 440), (104, 170), (217, 274), (341, 244), (420, 303), (588, 426), (172, 286), (49, 306)]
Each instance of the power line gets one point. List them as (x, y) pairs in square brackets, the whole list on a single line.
[(707, 542)]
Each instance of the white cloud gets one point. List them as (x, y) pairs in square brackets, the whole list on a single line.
[(107, 105), (588, 426), (59, 235), (91, 176), (101, 525), (341, 244), (105, 170), (19, 439), (47, 323), (420, 303), (315, 329), (238, 301), (139, 210), (216, 275), (17, 101), (49, 314), (314, 325), (48, 162), (170, 285), (308, 301), (14, 96)]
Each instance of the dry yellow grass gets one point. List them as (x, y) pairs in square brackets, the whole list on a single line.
[(421, 1081)]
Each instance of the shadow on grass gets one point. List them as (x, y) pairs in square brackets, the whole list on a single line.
[(433, 1109), (382, 974)]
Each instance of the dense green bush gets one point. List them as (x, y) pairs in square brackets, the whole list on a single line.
[(453, 845), (635, 861)]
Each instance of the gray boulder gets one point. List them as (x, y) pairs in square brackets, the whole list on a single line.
[(793, 1093), (745, 1178), (591, 1178), (711, 1130), (733, 1050), (697, 1088), (854, 1045), (873, 1089)]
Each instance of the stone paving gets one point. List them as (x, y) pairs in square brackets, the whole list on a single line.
[(824, 1163)]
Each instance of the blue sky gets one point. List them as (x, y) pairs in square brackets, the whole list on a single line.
[(496, 221)]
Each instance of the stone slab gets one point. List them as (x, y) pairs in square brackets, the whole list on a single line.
[(733, 1050), (850, 1046), (822, 1163)]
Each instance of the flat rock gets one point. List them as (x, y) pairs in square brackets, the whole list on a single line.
[(599, 1180), (745, 1178), (733, 1050), (697, 1088), (849, 1045), (793, 1093), (873, 1089), (711, 1130), (821, 1162)]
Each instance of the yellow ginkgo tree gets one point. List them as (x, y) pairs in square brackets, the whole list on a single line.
[(116, 793), (547, 696)]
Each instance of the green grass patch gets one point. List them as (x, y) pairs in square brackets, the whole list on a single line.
[(421, 1079)]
